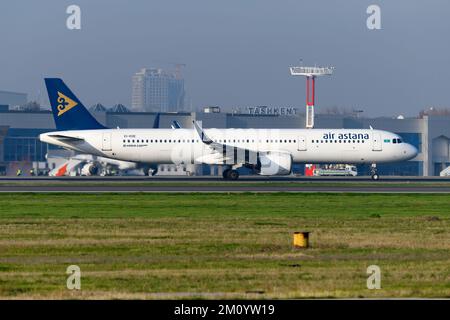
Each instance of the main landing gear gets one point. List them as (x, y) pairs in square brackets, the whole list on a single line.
[(150, 171), (230, 174), (373, 170)]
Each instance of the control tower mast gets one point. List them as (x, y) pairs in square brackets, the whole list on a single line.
[(310, 73)]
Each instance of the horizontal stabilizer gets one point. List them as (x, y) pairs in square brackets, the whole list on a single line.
[(66, 138)]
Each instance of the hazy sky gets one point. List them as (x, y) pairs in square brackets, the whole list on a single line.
[(237, 51)]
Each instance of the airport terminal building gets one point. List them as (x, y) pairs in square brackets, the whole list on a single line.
[(20, 146)]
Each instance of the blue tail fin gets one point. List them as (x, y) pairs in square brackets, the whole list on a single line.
[(68, 112)]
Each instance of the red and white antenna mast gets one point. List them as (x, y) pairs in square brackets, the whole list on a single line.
[(311, 73)]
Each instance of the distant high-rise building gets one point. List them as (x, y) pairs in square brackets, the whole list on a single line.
[(154, 90)]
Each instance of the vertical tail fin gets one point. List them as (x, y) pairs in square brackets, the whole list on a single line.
[(68, 112)]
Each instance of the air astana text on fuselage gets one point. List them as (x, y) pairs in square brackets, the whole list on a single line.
[(346, 136)]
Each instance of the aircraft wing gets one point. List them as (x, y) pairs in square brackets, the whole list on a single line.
[(224, 153)]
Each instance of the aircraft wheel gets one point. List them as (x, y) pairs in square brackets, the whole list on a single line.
[(375, 177), (233, 175), (225, 173)]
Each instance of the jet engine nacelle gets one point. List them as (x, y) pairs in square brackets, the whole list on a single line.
[(89, 169), (274, 163)]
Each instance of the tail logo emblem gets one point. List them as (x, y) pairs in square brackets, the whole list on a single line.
[(64, 103)]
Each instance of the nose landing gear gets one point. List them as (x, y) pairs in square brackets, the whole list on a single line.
[(373, 170)]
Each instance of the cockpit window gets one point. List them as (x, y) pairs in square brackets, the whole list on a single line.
[(397, 140)]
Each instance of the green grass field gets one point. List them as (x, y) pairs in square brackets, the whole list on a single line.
[(223, 245)]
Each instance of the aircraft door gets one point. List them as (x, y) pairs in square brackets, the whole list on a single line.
[(106, 142), (301, 144), (376, 142)]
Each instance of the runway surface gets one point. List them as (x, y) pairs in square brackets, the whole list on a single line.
[(248, 184), (226, 189), (254, 178)]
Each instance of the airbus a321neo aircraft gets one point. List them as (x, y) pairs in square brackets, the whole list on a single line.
[(266, 151)]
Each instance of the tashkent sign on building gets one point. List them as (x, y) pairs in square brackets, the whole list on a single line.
[(264, 110)]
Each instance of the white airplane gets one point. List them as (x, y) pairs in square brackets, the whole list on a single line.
[(267, 151)]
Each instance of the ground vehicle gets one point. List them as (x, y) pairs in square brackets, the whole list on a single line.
[(336, 170)]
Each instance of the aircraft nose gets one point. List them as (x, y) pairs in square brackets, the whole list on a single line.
[(410, 151)]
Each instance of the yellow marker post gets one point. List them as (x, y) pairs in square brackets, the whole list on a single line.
[(301, 239)]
